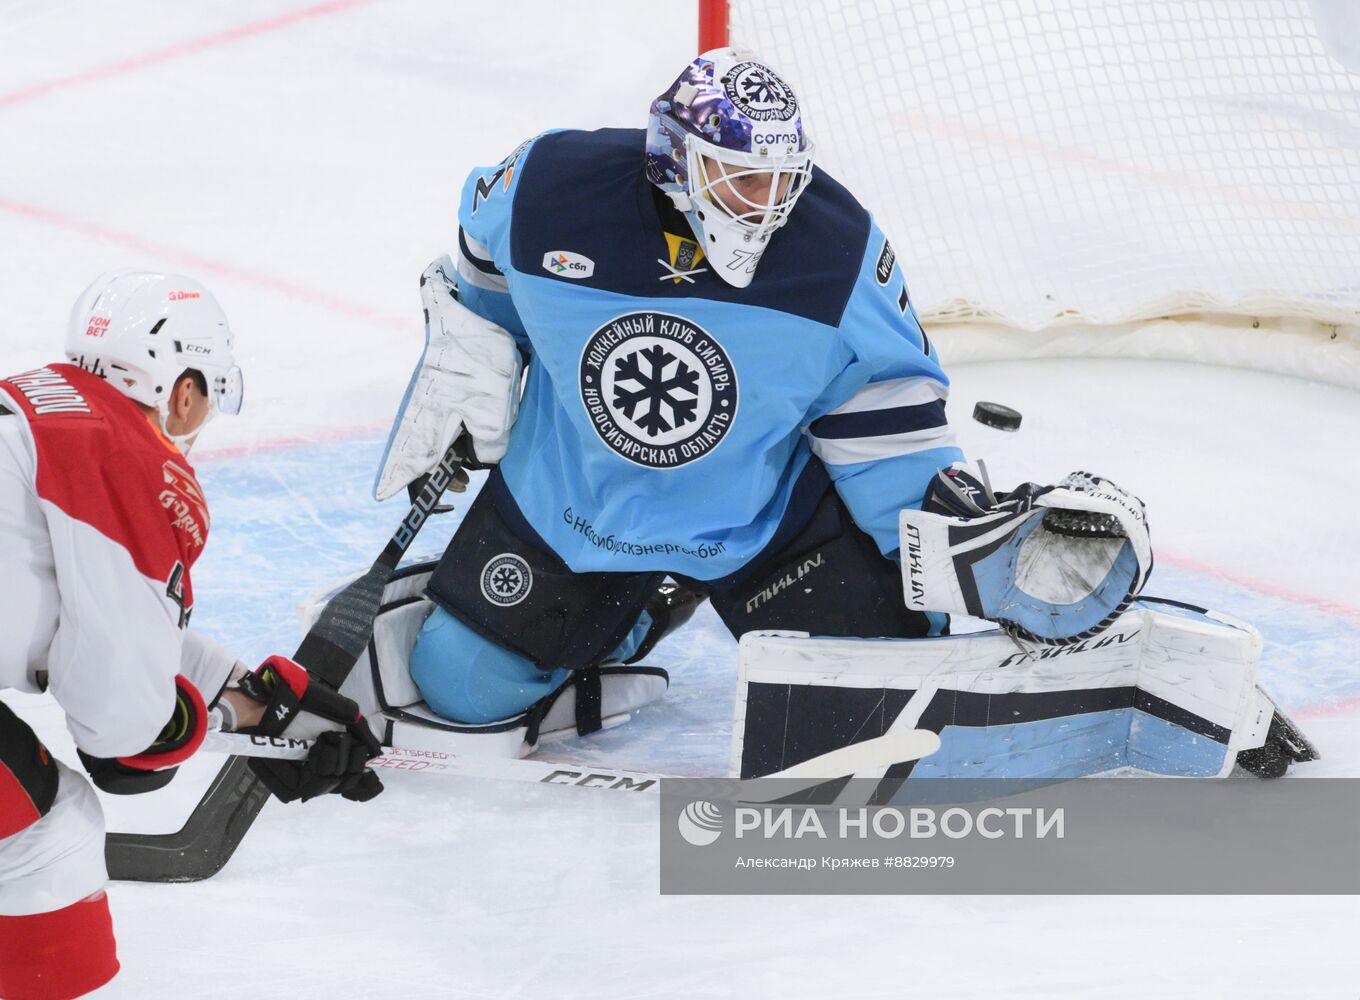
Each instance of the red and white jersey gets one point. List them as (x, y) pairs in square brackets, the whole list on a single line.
[(101, 521)]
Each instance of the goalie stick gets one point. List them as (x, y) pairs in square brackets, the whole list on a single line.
[(882, 751), (211, 834)]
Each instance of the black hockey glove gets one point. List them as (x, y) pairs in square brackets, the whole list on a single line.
[(156, 765), (338, 759), (957, 492)]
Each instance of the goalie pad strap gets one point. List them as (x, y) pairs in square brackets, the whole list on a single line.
[(382, 686)]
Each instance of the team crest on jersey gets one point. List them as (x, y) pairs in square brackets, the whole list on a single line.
[(506, 580), (758, 93), (659, 390), (185, 504), (685, 256)]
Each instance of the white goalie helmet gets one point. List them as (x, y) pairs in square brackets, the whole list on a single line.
[(726, 143), (140, 331)]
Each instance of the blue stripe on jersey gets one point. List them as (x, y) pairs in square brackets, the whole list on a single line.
[(877, 491), (869, 423), (474, 258)]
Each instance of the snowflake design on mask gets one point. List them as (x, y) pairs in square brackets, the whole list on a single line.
[(757, 88)]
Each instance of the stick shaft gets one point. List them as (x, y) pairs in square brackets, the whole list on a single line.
[(211, 834), (883, 751)]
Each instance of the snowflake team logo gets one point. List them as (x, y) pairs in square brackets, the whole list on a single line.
[(659, 390), (758, 93), (506, 580)]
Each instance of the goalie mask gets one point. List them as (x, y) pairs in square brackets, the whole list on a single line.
[(140, 331), (726, 143)]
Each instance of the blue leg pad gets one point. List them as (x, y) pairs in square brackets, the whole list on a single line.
[(467, 678)]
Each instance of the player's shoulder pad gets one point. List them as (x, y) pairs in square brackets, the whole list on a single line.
[(488, 193), (812, 265), (99, 461), (881, 310)]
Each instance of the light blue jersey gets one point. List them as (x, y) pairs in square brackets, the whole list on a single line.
[(668, 417)]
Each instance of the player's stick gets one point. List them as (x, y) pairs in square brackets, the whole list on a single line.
[(880, 752), (211, 834)]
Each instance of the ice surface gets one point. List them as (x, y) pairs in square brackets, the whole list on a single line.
[(306, 170)]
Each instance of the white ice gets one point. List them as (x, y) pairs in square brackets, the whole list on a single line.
[(306, 169)]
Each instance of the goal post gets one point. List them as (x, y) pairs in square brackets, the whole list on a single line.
[(713, 20), (1163, 178)]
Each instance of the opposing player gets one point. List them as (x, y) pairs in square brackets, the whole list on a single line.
[(101, 522), (727, 383)]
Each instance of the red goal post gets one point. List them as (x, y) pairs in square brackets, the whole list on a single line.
[(1057, 175), (713, 16)]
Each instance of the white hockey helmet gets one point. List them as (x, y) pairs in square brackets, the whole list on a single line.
[(726, 122), (140, 331)]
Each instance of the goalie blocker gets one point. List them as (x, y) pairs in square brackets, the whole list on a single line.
[(1168, 689)]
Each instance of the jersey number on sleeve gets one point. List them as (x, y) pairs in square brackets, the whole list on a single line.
[(174, 589)]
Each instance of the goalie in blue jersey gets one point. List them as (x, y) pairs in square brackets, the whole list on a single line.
[(690, 360), (727, 384)]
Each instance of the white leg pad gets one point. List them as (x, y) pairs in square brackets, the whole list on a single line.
[(1165, 690)]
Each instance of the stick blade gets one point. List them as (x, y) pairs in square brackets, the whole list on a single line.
[(205, 843), (882, 751)]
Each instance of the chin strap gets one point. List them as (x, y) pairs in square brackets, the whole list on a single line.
[(184, 442)]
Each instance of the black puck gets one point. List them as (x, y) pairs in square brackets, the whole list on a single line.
[(1003, 418)]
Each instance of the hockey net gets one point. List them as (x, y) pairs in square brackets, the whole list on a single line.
[(1067, 165)]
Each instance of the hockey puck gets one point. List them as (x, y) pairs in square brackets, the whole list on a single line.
[(1003, 418)]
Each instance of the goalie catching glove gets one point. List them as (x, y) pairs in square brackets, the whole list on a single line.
[(299, 705), (467, 381), (1054, 564)]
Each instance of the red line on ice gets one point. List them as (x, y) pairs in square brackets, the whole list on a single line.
[(279, 443), (176, 51), (1261, 586), (197, 262), (1327, 708)]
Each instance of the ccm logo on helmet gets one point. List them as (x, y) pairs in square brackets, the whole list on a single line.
[(181, 296), (774, 138)]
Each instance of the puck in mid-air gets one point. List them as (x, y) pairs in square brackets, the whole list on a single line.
[(1003, 418)]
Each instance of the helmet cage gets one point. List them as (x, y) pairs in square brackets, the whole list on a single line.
[(754, 220), (736, 112)]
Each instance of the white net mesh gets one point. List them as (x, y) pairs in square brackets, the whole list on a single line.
[(1045, 161)]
